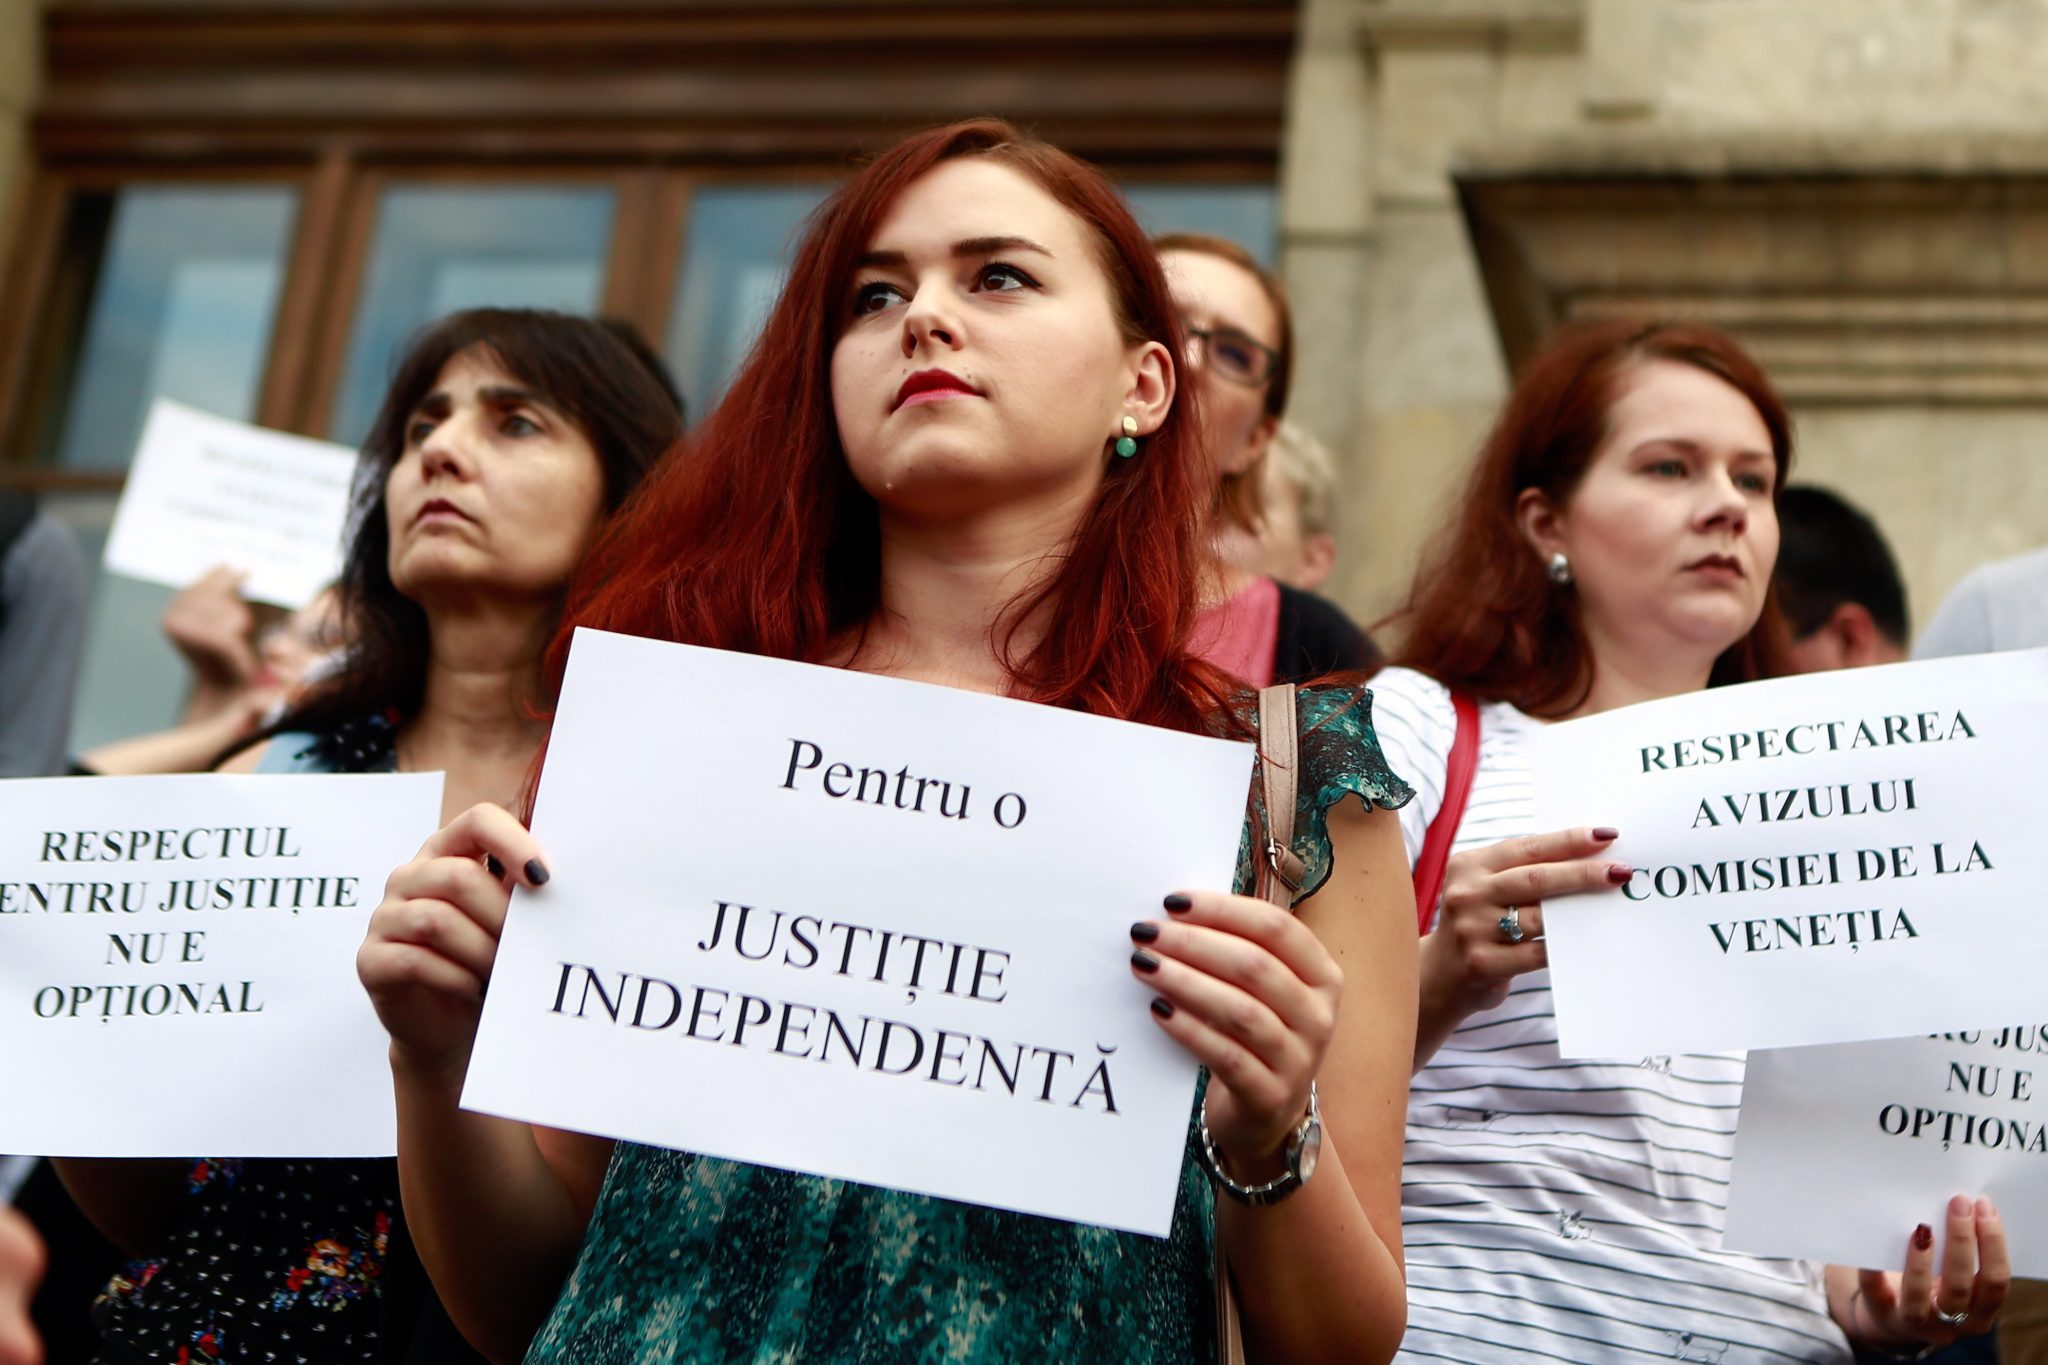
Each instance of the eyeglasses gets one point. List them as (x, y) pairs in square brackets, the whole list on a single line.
[(1233, 355)]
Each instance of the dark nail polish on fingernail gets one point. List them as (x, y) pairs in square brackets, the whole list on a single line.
[(1162, 1007), (1144, 931), (493, 866), (1606, 834), (1923, 1237), (1144, 961), (1619, 873), (536, 872), (1177, 903)]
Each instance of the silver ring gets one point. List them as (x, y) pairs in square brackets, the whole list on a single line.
[(1949, 1319), (1511, 925)]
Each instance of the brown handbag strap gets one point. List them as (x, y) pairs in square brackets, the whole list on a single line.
[(1279, 879), (1280, 872)]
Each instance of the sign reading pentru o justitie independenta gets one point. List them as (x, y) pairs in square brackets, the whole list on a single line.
[(1827, 858), (858, 928)]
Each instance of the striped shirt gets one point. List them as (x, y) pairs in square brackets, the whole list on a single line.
[(1561, 1211)]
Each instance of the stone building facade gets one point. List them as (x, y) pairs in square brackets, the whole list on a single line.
[(1856, 188)]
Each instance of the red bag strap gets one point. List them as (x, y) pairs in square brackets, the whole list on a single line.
[(1436, 845)]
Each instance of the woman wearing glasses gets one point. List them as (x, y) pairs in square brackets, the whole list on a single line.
[(1241, 358)]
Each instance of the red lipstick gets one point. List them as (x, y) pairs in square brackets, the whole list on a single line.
[(931, 385)]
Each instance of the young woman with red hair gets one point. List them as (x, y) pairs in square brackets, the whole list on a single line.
[(917, 473), (1614, 545)]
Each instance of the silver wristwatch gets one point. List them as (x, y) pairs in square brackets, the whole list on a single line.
[(1304, 1145)]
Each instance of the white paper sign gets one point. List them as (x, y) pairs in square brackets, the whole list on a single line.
[(857, 927), (1842, 1150), (177, 962), (205, 490), (1828, 858)]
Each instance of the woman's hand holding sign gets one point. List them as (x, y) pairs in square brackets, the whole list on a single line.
[(1252, 993), (1490, 928), (432, 940), (1929, 1304), (478, 1190)]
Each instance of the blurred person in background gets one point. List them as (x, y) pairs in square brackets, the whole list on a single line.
[(42, 631), (42, 628), (1240, 362), (1837, 583), (505, 440), (291, 653), (1296, 540), (2001, 605), (215, 629)]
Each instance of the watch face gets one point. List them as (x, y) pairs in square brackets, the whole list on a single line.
[(1311, 1148)]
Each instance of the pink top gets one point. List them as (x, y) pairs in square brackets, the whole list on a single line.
[(1240, 634)]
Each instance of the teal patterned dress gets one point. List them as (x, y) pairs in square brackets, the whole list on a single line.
[(697, 1261)]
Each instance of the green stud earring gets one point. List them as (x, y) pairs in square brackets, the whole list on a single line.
[(1127, 444)]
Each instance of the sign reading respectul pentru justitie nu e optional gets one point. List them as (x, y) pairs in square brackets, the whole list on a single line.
[(857, 927), (177, 962), (1817, 859), (1906, 1123)]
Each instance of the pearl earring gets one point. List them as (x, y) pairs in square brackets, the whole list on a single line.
[(1560, 569), (1127, 444)]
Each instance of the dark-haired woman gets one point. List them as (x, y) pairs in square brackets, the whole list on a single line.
[(1241, 361), (1615, 545), (917, 474), (505, 440)]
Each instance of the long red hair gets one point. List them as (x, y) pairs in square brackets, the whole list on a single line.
[(1482, 616), (752, 535)]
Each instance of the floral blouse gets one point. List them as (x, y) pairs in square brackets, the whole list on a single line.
[(284, 1261)]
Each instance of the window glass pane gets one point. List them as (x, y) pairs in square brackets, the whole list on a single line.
[(130, 680), (177, 291), (183, 306), (438, 249), (1243, 213), (737, 251)]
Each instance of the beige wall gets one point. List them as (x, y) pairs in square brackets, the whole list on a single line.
[(1941, 431)]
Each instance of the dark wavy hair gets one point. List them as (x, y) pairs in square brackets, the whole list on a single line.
[(1482, 617), (616, 393)]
